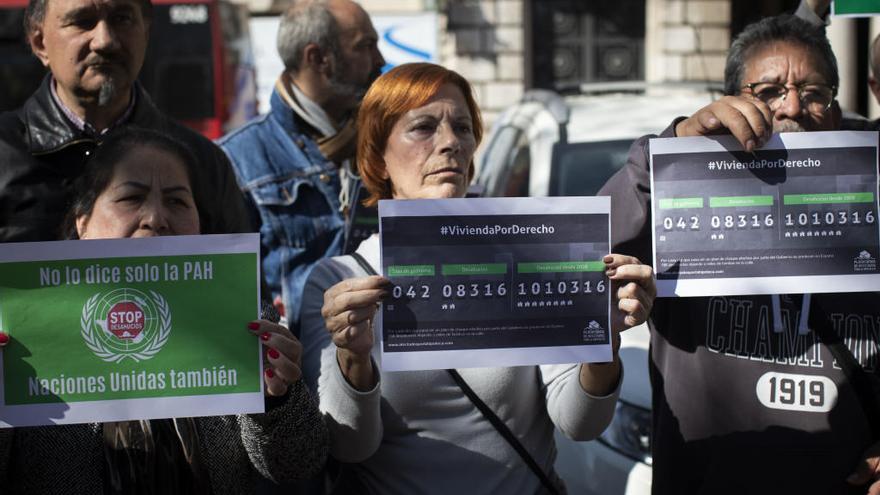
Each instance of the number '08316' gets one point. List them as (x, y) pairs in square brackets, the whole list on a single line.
[(460, 291)]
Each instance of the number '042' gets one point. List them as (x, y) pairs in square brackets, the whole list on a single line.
[(789, 392)]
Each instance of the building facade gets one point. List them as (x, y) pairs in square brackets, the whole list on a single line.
[(505, 47)]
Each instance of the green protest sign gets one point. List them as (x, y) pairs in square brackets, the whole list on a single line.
[(855, 8), (129, 329)]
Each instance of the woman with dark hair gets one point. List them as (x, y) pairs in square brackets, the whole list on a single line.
[(419, 432), (139, 184), (145, 155)]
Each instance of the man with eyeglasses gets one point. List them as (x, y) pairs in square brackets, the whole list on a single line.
[(710, 356)]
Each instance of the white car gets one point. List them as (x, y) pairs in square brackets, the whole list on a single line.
[(552, 145)]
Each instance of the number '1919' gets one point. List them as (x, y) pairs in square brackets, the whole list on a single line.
[(808, 393)]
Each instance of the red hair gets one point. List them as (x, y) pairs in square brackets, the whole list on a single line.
[(396, 92)]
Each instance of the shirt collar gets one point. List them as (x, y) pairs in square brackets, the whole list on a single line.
[(307, 109), (80, 123)]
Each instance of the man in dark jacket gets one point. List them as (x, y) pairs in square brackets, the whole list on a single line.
[(94, 51)]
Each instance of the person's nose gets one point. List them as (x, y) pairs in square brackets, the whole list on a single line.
[(450, 143), (154, 219), (104, 37), (378, 59), (790, 106)]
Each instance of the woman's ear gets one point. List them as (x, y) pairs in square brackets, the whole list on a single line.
[(81, 222)]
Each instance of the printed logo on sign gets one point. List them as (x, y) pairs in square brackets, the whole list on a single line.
[(125, 323), (864, 262), (594, 332)]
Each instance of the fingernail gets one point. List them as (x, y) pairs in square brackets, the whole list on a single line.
[(712, 122), (270, 373), (611, 272), (273, 353), (750, 145), (265, 336), (4, 338), (254, 325), (608, 258)]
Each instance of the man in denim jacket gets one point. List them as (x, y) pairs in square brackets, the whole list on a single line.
[(296, 163)]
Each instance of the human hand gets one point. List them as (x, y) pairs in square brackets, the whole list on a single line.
[(632, 297), (868, 470), (278, 303), (348, 311), (283, 356), (632, 292), (748, 119)]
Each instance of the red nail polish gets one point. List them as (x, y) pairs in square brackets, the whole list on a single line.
[(273, 353), (265, 336), (253, 325), (4, 337), (270, 373)]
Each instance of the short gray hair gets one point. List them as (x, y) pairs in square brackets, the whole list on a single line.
[(303, 23), (769, 30)]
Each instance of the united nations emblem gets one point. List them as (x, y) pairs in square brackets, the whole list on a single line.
[(125, 323)]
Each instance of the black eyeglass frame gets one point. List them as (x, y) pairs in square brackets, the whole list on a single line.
[(798, 87)]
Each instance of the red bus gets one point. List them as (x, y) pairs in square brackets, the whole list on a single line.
[(199, 66)]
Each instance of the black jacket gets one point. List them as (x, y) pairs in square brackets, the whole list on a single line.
[(42, 152)]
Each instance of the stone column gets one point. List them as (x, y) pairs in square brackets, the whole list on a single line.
[(686, 40), (484, 42), (842, 34)]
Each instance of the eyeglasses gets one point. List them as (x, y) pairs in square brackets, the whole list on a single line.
[(814, 97)]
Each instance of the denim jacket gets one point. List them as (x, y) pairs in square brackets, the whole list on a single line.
[(292, 191)]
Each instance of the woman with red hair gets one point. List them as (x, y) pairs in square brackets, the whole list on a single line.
[(418, 432)]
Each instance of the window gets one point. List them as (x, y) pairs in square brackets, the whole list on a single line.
[(505, 165), (178, 70), (574, 42), (582, 169)]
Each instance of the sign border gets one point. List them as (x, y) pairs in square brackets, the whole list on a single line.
[(496, 356), (805, 284)]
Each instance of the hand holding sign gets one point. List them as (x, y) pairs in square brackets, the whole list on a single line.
[(748, 119), (283, 353), (632, 296), (868, 470), (348, 311), (632, 292)]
